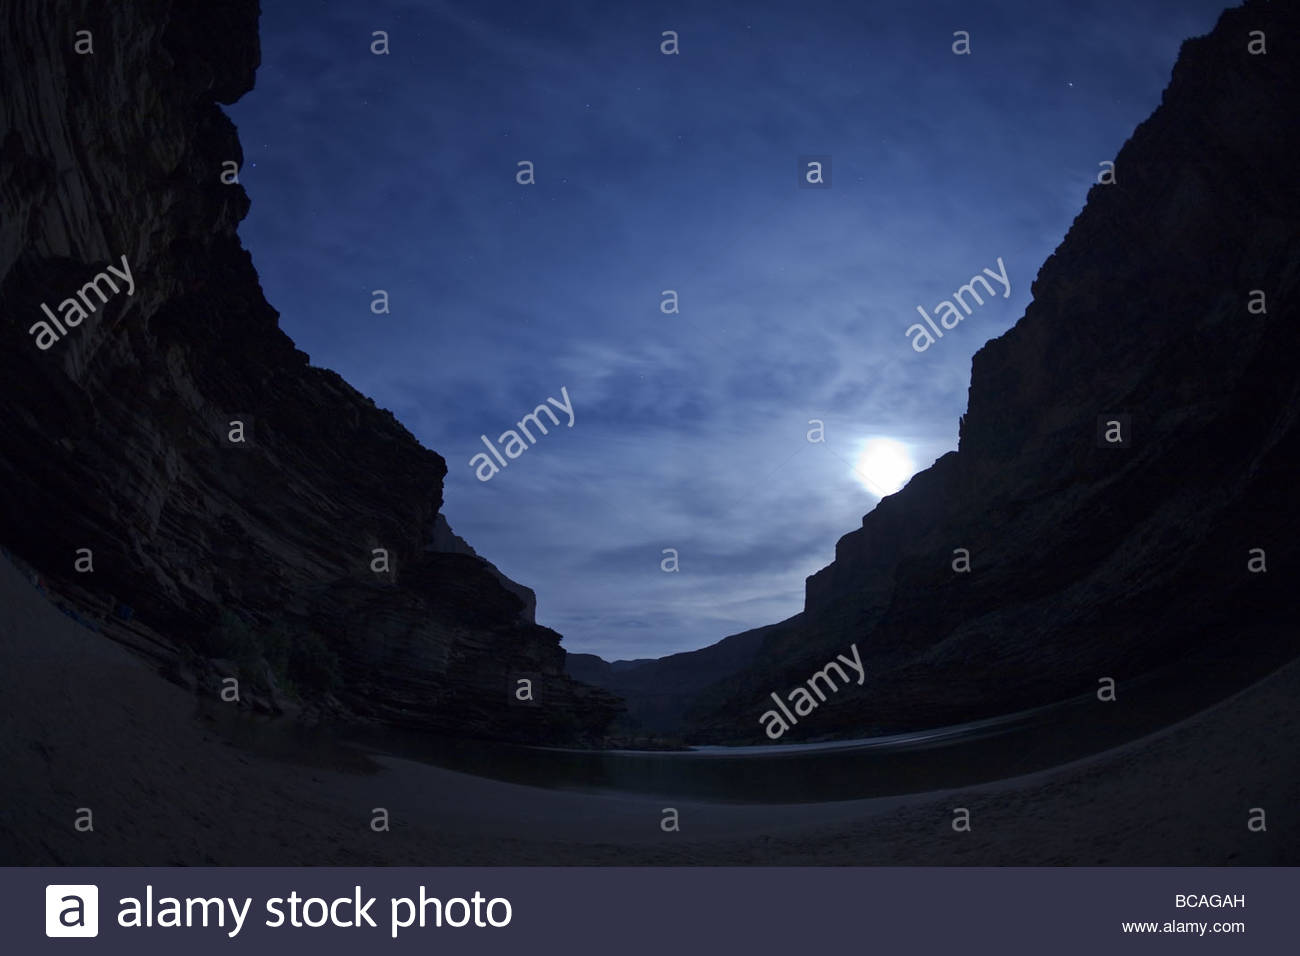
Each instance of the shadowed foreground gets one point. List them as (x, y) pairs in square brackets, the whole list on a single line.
[(86, 724)]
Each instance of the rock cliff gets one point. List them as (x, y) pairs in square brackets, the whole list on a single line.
[(1087, 559), (323, 523)]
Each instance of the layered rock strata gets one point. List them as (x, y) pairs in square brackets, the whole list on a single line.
[(116, 437)]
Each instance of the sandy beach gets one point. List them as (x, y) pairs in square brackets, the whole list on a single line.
[(86, 723)]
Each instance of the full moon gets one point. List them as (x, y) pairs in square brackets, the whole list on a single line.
[(883, 466)]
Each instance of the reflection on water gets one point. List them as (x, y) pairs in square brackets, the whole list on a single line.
[(792, 773)]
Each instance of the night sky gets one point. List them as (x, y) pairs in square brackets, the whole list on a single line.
[(675, 172)]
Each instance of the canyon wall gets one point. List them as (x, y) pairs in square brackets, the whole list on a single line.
[(1090, 559), (116, 438)]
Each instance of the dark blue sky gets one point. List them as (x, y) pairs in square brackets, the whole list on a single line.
[(658, 172)]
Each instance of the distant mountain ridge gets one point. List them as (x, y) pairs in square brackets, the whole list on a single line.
[(658, 691)]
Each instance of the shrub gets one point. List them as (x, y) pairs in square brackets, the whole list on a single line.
[(300, 660)]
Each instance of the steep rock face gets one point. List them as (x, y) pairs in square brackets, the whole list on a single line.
[(1091, 561), (114, 438), (444, 539)]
